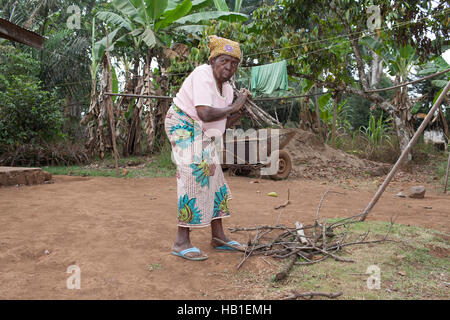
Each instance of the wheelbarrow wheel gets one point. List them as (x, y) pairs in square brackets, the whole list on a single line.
[(284, 166)]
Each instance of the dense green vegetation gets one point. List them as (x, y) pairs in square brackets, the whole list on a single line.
[(28, 113), (330, 50)]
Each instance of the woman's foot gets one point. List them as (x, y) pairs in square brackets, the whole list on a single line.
[(188, 251), (183, 247), (218, 233)]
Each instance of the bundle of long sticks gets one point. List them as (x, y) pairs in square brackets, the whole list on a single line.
[(258, 115)]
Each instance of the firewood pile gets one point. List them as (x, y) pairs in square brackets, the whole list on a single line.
[(303, 244)]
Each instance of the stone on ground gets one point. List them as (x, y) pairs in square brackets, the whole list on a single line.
[(417, 192)]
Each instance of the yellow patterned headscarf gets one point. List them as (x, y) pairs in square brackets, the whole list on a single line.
[(218, 46)]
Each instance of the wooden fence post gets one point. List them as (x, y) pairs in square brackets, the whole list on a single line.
[(405, 152)]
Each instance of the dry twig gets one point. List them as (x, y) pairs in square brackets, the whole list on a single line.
[(284, 204), (294, 295)]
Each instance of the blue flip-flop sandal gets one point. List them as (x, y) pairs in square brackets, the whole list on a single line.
[(182, 254), (228, 247)]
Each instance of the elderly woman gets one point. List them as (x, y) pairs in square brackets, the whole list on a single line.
[(201, 111)]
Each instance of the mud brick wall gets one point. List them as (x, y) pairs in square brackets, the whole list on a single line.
[(11, 176)]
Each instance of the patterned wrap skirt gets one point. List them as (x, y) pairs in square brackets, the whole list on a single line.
[(202, 192)]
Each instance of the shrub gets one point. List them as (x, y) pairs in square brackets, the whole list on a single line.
[(28, 113), (376, 131)]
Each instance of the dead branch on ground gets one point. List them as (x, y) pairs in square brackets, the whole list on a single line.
[(284, 204), (311, 294), (305, 244)]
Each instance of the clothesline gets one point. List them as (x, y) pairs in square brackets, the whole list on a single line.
[(286, 97), (168, 97), (137, 95), (408, 83)]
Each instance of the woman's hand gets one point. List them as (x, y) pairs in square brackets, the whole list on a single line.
[(242, 96), (247, 92)]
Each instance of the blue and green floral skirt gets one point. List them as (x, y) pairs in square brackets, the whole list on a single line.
[(202, 192)]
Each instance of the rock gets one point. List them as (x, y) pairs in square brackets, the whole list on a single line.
[(401, 195), (417, 192)]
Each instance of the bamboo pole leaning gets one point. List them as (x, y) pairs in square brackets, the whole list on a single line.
[(446, 173), (405, 152)]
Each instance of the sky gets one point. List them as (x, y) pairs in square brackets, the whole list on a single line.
[(446, 56)]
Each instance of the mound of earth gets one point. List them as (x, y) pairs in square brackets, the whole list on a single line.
[(312, 158)]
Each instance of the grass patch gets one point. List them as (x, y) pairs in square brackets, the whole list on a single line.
[(441, 169), (415, 267), (131, 167), (153, 267)]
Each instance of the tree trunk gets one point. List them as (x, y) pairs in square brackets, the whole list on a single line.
[(404, 134), (316, 105), (336, 99), (150, 116), (403, 118), (305, 119), (110, 108), (89, 119), (376, 70)]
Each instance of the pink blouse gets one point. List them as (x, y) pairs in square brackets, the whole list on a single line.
[(199, 89)]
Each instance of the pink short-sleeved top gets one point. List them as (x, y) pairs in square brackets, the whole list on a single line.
[(199, 89)]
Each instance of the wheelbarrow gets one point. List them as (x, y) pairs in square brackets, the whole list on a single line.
[(256, 153)]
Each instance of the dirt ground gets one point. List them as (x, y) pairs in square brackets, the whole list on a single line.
[(119, 232)]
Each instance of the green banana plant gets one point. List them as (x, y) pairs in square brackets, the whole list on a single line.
[(437, 65), (144, 20), (326, 110), (221, 5), (399, 59)]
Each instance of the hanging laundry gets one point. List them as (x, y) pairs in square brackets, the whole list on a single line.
[(267, 78)]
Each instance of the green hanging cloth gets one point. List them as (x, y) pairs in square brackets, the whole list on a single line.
[(267, 78)]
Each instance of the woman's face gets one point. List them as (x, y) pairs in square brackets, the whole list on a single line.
[(224, 67)]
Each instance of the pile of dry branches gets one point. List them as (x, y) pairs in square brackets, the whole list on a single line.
[(303, 244)]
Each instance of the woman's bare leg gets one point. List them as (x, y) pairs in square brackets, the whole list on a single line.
[(183, 242), (217, 232)]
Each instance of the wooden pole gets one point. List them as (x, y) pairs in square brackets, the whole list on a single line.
[(109, 106), (446, 173), (405, 152), (316, 106)]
